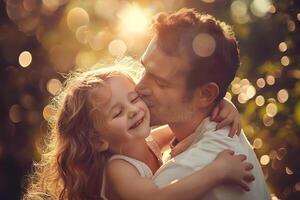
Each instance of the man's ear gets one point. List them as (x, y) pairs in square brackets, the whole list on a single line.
[(206, 95)]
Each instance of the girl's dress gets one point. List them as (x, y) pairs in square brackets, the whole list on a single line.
[(141, 167)]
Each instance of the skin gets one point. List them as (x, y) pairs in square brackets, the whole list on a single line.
[(126, 122), (163, 88), (119, 129)]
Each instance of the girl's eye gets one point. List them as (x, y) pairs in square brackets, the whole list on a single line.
[(117, 114), (135, 99)]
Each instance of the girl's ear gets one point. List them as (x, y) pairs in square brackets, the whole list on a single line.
[(102, 145), (206, 95)]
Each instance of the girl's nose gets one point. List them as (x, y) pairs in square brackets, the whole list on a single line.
[(132, 114)]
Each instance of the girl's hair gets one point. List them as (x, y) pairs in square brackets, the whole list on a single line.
[(71, 167)]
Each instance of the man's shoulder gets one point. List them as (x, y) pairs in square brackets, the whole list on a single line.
[(214, 136)]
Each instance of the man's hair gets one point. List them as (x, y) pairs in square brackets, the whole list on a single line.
[(176, 33)]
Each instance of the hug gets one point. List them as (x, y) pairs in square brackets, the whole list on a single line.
[(101, 145)]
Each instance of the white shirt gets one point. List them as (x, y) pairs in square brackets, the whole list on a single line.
[(203, 146)]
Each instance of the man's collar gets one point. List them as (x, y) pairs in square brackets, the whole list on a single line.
[(178, 147)]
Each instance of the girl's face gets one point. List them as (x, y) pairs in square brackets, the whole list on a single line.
[(126, 117)]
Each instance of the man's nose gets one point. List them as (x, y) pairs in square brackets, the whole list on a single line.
[(142, 89)]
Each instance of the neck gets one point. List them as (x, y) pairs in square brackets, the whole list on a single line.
[(138, 150), (183, 129)]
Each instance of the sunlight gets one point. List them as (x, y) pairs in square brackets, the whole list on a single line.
[(134, 19)]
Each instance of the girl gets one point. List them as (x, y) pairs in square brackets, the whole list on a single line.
[(97, 147)]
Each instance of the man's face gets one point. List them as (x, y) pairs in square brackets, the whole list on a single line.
[(163, 86)]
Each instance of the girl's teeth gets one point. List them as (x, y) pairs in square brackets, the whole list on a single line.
[(138, 123)]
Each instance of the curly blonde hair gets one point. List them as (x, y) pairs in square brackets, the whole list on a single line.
[(71, 167)]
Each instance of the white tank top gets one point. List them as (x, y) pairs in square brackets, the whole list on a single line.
[(141, 167)]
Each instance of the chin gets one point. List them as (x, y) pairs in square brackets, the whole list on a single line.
[(155, 121)]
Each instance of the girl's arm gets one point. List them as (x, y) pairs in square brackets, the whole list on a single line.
[(224, 113), (129, 185)]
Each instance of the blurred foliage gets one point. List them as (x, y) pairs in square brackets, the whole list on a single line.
[(61, 35)]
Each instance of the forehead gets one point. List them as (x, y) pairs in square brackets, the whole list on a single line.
[(157, 62), (120, 84), (112, 90)]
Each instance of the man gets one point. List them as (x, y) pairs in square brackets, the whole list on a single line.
[(189, 64)]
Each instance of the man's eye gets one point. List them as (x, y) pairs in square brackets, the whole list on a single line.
[(159, 83), (117, 114)]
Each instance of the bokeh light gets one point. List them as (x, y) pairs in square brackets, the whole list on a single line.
[(267, 120), (285, 61), (204, 45), (291, 26), (25, 59), (282, 46), (250, 92), (288, 171), (228, 96), (48, 112), (257, 143), (99, 41), (264, 159), (272, 9), (236, 88), (271, 109), (117, 48), (260, 82), (82, 34), (260, 100), (76, 18), (242, 98), (297, 186), (239, 11), (274, 197), (270, 79), (50, 5), (53, 86), (260, 8), (282, 95), (15, 113)]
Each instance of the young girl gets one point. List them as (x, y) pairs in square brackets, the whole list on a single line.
[(97, 147)]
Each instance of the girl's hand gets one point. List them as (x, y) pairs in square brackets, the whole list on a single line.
[(225, 113), (233, 169)]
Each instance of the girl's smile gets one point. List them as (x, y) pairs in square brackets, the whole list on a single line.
[(126, 117)]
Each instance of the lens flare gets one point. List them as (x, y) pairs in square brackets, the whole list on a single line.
[(134, 19)]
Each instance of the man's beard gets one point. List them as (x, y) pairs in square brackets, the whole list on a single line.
[(168, 116)]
